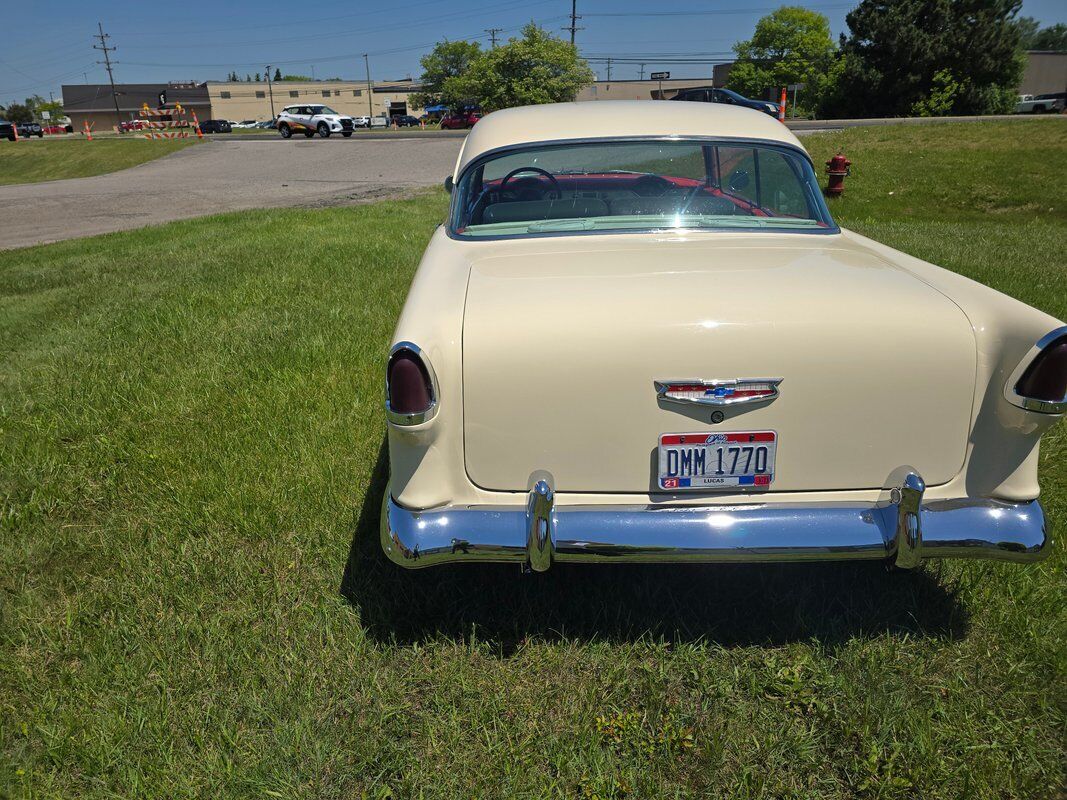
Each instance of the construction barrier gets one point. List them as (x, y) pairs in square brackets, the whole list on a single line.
[(781, 107), (196, 124), (162, 112), (88, 131), (177, 120)]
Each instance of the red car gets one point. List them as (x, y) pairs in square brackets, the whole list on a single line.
[(460, 119)]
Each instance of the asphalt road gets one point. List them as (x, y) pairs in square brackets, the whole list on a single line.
[(223, 176)]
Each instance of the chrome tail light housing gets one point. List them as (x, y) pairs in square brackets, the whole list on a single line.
[(1040, 382), (410, 386)]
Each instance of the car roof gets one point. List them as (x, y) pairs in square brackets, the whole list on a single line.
[(619, 119)]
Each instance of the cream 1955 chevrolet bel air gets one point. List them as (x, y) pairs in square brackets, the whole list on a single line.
[(642, 337)]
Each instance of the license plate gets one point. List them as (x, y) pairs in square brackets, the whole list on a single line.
[(717, 460)]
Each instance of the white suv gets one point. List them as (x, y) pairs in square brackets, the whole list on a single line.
[(312, 119)]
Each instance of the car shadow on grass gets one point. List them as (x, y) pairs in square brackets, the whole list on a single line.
[(731, 605)]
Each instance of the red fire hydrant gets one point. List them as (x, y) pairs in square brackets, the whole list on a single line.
[(838, 168)]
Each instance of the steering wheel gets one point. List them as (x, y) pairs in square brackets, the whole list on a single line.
[(547, 174)]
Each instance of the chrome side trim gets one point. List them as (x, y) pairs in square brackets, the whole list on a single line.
[(970, 528), (664, 386), (405, 420), (1030, 403)]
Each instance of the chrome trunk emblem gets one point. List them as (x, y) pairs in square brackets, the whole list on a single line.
[(716, 392)]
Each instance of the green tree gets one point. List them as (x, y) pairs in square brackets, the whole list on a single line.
[(535, 68), (791, 45), (446, 61), (1033, 37), (18, 112), (903, 56), (1054, 37), (1027, 28), (277, 73), (297, 78)]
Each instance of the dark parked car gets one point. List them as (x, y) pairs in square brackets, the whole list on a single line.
[(709, 94), (405, 121), (460, 119), (7, 130), (215, 126)]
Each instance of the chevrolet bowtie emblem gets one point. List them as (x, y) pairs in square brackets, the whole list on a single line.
[(717, 392)]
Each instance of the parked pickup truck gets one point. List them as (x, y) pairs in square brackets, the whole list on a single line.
[(1029, 104)]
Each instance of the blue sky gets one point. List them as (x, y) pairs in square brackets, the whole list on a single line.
[(46, 44)]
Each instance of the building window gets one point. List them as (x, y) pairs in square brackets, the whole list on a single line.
[(325, 92), (261, 95), (357, 92), (294, 94), (336, 92), (224, 95)]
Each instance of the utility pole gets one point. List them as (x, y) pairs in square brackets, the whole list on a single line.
[(492, 35), (574, 21), (370, 105), (642, 72), (609, 69), (103, 37), (270, 91)]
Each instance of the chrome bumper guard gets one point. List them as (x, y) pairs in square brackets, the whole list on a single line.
[(904, 530)]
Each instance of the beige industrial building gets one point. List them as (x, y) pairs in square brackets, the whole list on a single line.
[(1046, 73), (639, 89), (243, 101), (237, 101)]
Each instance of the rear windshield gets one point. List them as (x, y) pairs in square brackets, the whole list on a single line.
[(639, 186)]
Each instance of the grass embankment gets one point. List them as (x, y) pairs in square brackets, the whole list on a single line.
[(192, 600), (37, 160)]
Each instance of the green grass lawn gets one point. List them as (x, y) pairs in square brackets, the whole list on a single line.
[(36, 160), (193, 603)]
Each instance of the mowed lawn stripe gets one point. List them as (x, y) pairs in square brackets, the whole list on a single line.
[(35, 160), (192, 599)]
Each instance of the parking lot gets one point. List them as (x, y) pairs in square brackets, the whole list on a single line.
[(226, 175)]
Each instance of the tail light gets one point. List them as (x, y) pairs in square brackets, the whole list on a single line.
[(1043, 385), (410, 386)]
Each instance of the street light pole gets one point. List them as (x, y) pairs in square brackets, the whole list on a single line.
[(270, 91), (370, 106)]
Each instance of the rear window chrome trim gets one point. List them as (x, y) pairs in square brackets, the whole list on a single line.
[(450, 228)]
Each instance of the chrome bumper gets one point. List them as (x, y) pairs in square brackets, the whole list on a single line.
[(905, 530)]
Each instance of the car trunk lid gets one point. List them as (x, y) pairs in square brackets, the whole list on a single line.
[(564, 339)]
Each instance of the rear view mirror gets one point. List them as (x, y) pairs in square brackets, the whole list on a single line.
[(739, 180), (448, 184)]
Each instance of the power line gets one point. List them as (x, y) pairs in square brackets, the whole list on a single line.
[(709, 13), (103, 37)]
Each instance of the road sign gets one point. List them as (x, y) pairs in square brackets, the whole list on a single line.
[(794, 86), (162, 98), (660, 76), (46, 115)]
